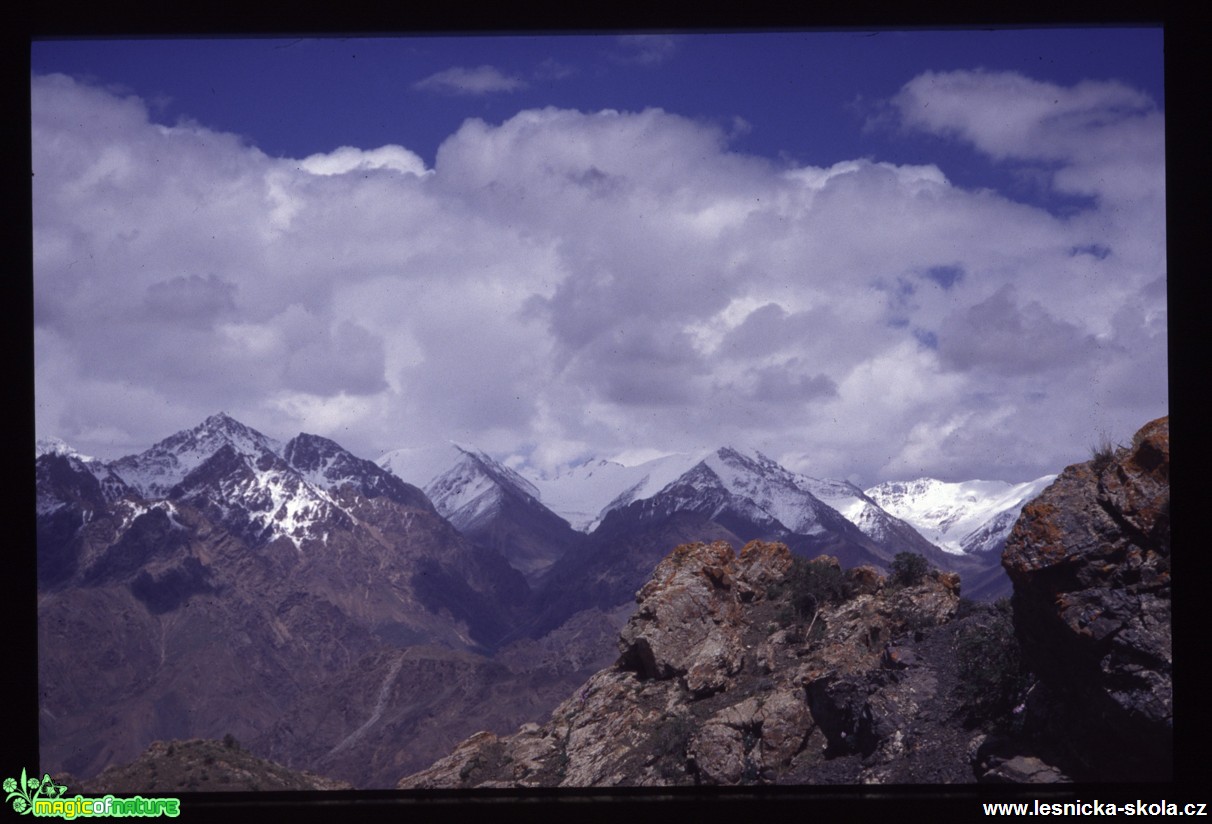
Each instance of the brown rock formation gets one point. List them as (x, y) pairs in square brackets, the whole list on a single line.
[(1090, 562), (716, 685)]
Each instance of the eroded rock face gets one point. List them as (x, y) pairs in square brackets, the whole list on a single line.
[(1090, 562), (714, 686), (688, 623)]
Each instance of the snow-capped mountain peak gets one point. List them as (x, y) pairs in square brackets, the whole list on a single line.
[(324, 463), (157, 470), (490, 465), (962, 517), (771, 487), (54, 482), (578, 494), (57, 446), (474, 486), (584, 494)]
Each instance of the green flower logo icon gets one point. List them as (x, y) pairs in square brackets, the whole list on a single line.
[(23, 792)]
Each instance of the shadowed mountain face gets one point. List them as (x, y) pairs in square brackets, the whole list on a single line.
[(498, 509), (250, 583), (734, 498)]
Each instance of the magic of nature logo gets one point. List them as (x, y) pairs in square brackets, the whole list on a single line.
[(44, 798)]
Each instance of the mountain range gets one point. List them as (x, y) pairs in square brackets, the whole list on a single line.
[(324, 608), (760, 668), (957, 526)]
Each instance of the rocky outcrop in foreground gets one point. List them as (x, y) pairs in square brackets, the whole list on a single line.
[(763, 668), (1090, 562), (718, 682), (200, 765)]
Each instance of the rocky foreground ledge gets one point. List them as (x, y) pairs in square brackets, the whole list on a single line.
[(714, 685), (720, 682), (1090, 563)]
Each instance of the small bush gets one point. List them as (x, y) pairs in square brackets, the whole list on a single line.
[(812, 585), (908, 568), (966, 607), (990, 668), (1102, 453)]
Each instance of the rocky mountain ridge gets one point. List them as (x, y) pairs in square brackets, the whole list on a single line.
[(252, 587), (726, 494), (894, 680), (321, 609), (715, 685), (500, 509), (970, 517)]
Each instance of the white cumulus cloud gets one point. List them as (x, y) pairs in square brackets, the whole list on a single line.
[(348, 159), (565, 283), (473, 81)]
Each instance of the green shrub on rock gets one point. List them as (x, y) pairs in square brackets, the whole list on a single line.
[(908, 568), (990, 668), (812, 584)]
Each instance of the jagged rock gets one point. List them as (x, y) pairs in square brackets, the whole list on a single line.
[(762, 564), (841, 708), (686, 622), (1090, 562), (951, 581), (857, 631), (786, 726), (865, 579), (1024, 769), (721, 749), (996, 760), (745, 741), (898, 658), (709, 689)]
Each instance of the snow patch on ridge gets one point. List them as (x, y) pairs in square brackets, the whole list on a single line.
[(58, 446), (954, 515), (583, 494), (154, 472)]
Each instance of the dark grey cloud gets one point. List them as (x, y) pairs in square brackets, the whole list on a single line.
[(1006, 338), (1095, 250), (349, 359), (785, 383), (641, 363), (194, 300), (945, 276), (770, 330)]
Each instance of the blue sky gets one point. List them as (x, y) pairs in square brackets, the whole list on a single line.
[(873, 255), (806, 96)]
